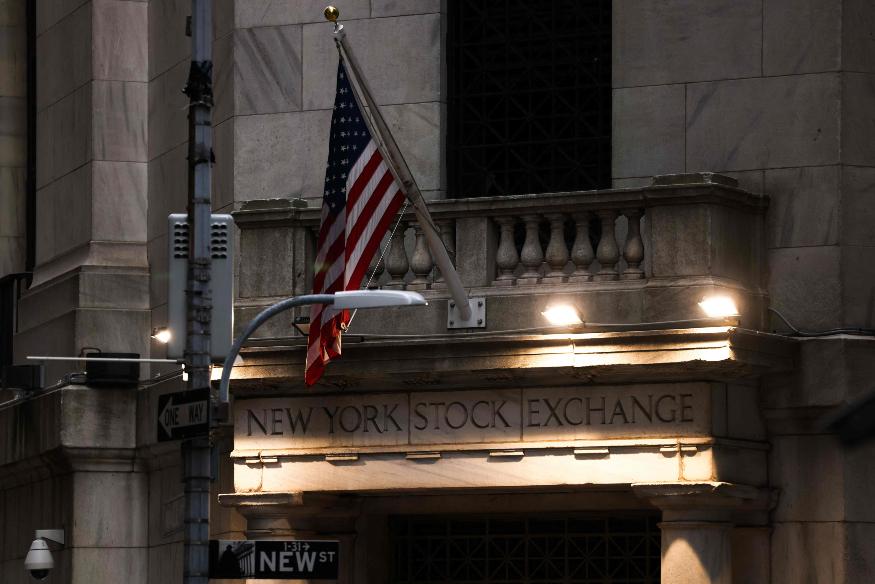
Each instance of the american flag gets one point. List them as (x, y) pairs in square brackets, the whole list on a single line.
[(361, 198)]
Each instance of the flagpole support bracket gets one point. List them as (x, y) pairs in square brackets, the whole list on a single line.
[(478, 315)]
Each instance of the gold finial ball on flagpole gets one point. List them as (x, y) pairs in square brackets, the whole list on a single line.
[(332, 13)]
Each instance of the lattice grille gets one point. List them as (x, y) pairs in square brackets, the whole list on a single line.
[(529, 96), (590, 550)]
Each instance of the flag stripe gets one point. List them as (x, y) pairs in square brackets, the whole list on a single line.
[(373, 243)]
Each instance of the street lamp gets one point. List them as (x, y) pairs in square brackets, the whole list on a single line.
[(349, 300)]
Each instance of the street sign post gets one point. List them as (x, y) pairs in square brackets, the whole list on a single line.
[(275, 560), (184, 414)]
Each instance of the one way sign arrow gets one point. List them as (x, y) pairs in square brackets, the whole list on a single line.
[(184, 414)]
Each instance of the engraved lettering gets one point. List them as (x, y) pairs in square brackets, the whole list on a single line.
[(496, 412), (619, 411), (274, 421), (648, 412), (437, 421), (474, 411), (532, 413), (258, 422), (421, 416), (447, 415), (673, 409), (358, 418), (387, 415), (590, 410), (371, 416), (299, 419), (685, 406), (565, 412), (331, 418), (553, 413)]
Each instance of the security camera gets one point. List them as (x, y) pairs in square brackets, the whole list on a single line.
[(39, 559)]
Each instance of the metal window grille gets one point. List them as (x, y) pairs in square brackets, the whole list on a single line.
[(575, 549), (529, 96)]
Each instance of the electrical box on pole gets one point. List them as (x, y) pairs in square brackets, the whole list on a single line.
[(222, 256)]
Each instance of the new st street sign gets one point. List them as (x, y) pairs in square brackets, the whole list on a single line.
[(275, 560), (183, 415)]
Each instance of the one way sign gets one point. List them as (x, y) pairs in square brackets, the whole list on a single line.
[(184, 414)]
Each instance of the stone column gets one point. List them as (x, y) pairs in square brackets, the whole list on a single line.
[(696, 528), (300, 515)]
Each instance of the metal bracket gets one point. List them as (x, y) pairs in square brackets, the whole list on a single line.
[(478, 315)]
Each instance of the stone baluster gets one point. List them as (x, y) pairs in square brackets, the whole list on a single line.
[(608, 253), (507, 259), (396, 262), (421, 262), (448, 236), (532, 256), (581, 252), (633, 252), (557, 251)]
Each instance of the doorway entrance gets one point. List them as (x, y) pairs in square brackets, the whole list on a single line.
[(591, 549)]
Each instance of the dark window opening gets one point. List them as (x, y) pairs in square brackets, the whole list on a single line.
[(593, 548), (529, 96)]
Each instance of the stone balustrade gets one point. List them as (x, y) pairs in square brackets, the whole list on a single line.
[(625, 255)]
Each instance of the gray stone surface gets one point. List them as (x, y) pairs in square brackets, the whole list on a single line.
[(801, 36), (156, 115), (648, 134), (13, 182), (63, 213), (99, 498), (168, 189), (158, 271), (13, 132), (267, 70), (120, 120), (111, 564), (858, 44), (858, 118), (175, 106), (277, 156), (45, 147), (223, 169), (807, 496), (419, 130), (120, 45), (12, 254), (118, 201), (168, 44), (805, 286), (858, 287), (64, 57), (377, 44), (381, 8), (13, 66), (250, 13), (752, 181), (805, 207), (858, 205), (821, 544), (223, 78), (775, 122), (50, 12), (656, 42), (73, 123)]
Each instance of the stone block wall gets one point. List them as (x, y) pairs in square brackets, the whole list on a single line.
[(13, 136), (771, 92)]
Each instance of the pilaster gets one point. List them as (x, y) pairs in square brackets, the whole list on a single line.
[(696, 526)]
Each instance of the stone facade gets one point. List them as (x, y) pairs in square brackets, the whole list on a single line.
[(710, 428)]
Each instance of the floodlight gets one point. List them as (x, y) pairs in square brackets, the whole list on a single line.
[(563, 315), (719, 306), (161, 334)]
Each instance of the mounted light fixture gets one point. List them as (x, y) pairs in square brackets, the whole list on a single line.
[(161, 334), (719, 306), (302, 324), (563, 314)]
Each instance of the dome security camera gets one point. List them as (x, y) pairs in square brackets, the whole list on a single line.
[(39, 559)]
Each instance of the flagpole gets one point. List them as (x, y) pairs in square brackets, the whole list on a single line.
[(391, 151)]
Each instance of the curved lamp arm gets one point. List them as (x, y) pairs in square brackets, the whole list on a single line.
[(257, 322)]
